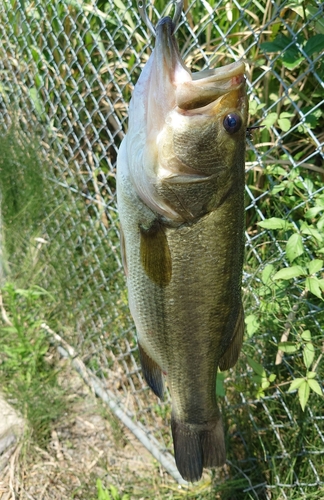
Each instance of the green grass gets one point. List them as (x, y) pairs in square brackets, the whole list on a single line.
[(27, 375)]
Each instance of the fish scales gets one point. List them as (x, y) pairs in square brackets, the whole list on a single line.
[(180, 188)]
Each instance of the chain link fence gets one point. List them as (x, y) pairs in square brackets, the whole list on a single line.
[(67, 69)]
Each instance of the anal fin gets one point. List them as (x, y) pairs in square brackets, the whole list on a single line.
[(231, 354), (152, 373)]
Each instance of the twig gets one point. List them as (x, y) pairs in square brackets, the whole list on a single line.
[(12, 475), (95, 461), (288, 324), (3, 312), (317, 362)]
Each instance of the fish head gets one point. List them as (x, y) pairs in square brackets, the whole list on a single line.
[(193, 131)]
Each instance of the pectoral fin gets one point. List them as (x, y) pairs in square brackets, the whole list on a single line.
[(231, 354), (155, 254), (152, 373)]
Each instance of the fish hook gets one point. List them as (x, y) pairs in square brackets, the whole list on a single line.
[(141, 5)]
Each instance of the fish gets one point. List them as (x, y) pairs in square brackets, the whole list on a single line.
[(180, 196)]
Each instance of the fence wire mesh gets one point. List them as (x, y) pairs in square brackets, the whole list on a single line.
[(67, 72)]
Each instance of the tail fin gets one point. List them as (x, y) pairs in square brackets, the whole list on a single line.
[(197, 446)]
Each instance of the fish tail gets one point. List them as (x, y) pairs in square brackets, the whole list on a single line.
[(197, 446)]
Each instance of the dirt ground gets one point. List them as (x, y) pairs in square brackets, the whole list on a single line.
[(87, 443)]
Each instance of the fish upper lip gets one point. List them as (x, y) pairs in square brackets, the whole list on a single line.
[(207, 86), (226, 72)]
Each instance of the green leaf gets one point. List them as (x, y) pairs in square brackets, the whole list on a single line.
[(314, 385), (270, 120), (314, 44), (313, 285), (274, 223), (256, 367), (311, 375), (320, 224), (275, 169), (321, 283), (252, 325), (291, 62), (284, 124), (114, 492), (311, 231), (315, 265), (270, 47), (266, 273), (9, 329), (288, 347), (312, 212), (272, 377), (289, 273), (294, 247), (279, 187), (254, 107), (308, 354), (303, 394), (265, 384), (286, 114), (257, 379), (38, 104), (295, 384), (277, 45), (306, 335), (260, 394)]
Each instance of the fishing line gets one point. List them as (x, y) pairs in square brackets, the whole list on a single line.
[(250, 129)]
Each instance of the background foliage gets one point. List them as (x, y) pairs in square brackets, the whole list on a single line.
[(67, 72)]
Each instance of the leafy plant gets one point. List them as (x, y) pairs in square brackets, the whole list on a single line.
[(300, 275), (260, 378)]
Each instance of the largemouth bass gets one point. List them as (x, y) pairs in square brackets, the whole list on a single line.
[(180, 189)]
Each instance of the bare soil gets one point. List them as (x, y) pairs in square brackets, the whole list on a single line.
[(87, 443)]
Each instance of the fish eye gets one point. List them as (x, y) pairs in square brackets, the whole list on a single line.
[(232, 123)]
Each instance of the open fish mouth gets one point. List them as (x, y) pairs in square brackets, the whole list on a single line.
[(193, 90)]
